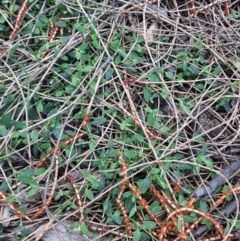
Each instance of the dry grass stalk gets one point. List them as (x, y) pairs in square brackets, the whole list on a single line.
[(105, 230), (19, 19), (49, 199), (204, 8), (86, 116)]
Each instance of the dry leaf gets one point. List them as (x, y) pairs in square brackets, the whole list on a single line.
[(4, 216), (150, 32)]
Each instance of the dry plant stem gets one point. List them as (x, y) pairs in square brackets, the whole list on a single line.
[(45, 228), (19, 19), (86, 116), (204, 8), (16, 210), (49, 199), (218, 180), (77, 195)]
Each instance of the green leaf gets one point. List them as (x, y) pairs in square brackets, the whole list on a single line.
[(34, 135), (117, 218), (148, 225), (39, 171), (132, 212), (137, 235), (8, 99), (57, 130), (4, 186), (25, 179), (61, 24), (33, 190), (46, 135), (138, 137), (123, 126), (89, 194), (78, 55), (179, 224), (154, 171), (5, 120), (74, 225), (87, 68), (156, 210), (27, 172), (3, 131), (15, 134), (64, 39), (99, 121), (184, 107), (109, 73), (217, 71), (169, 75), (43, 18), (147, 93), (40, 106), (151, 118), (92, 145), (189, 219), (145, 184), (59, 93), (10, 199), (18, 125), (79, 27), (84, 228)]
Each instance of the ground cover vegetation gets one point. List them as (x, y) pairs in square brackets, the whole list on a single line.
[(119, 120)]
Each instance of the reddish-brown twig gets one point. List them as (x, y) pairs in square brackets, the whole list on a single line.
[(19, 19), (65, 143), (217, 226), (226, 9), (126, 219), (15, 209), (52, 32), (77, 195), (120, 204), (192, 7), (235, 189)]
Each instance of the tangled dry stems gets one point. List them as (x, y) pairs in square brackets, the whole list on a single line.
[(134, 85)]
